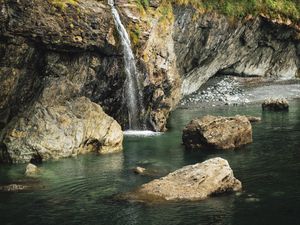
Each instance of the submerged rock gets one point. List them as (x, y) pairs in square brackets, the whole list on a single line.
[(31, 170), (275, 104), (217, 132), (192, 183), (13, 188)]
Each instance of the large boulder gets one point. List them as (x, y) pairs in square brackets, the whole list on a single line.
[(216, 132), (60, 124), (193, 182)]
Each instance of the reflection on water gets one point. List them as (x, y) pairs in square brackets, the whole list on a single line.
[(80, 190)]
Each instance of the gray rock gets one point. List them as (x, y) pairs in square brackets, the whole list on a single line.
[(216, 132), (191, 183)]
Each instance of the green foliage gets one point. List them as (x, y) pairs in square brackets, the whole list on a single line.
[(134, 33), (143, 3), (240, 8), (62, 4)]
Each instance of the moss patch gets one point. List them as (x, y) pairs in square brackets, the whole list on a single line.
[(63, 4)]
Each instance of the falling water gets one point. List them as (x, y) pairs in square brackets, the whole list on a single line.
[(133, 95)]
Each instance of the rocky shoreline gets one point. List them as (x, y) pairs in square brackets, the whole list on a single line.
[(231, 91)]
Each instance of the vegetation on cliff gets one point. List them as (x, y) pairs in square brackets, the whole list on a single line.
[(63, 3), (240, 8)]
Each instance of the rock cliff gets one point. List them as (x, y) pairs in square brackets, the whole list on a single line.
[(177, 50)]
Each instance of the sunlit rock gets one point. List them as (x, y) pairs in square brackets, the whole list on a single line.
[(216, 132), (192, 183)]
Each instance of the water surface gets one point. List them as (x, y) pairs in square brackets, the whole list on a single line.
[(80, 190)]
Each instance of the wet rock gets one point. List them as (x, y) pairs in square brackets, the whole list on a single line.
[(139, 170), (31, 170), (275, 105), (253, 119), (191, 183), (216, 132), (13, 188)]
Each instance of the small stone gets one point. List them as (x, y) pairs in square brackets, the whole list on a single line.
[(139, 170), (31, 170)]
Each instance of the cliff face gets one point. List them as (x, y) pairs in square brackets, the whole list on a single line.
[(177, 50), (211, 44), (40, 40)]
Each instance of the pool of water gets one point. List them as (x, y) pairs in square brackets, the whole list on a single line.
[(81, 190)]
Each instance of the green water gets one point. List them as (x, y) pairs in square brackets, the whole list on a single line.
[(81, 190)]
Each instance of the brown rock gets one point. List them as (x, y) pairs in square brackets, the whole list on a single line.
[(193, 182), (217, 132), (280, 104)]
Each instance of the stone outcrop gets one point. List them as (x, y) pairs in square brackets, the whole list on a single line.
[(190, 183), (216, 132), (275, 105), (59, 124)]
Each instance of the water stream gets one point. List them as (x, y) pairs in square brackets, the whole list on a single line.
[(133, 95)]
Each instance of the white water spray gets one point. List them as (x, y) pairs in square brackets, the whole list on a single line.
[(133, 94)]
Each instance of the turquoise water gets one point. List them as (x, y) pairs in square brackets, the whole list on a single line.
[(82, 190)]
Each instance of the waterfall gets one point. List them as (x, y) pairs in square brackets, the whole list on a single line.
[(132, 93)]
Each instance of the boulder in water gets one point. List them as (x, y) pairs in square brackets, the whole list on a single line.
[(192, 183), (31, 170), (280, 104), (60, 124), (216, 132)]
